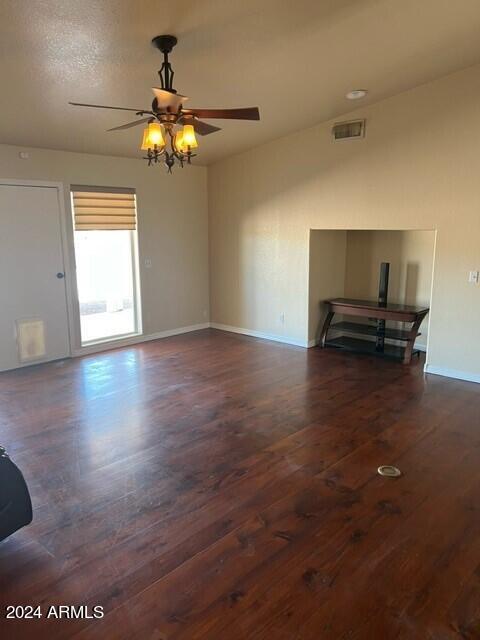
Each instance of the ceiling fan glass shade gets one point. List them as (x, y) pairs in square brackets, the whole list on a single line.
[(144, 145), (153, 136), (178, 141), (189, 140)]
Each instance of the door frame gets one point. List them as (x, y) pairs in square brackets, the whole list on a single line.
[(66, 251)]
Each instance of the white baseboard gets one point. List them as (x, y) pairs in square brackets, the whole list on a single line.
[(285, 339), (126, 342), (452, 373), (178, 331), (260, 334)]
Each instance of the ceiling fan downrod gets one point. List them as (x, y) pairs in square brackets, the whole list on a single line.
[(165, 44)]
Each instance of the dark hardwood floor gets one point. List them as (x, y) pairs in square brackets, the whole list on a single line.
[(216, 487)]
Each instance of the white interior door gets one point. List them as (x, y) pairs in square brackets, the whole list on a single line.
[(33, 308)]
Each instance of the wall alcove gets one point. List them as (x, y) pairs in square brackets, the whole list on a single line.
[(346, 264)]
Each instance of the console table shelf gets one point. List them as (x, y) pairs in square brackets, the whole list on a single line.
[(369, 347), (371, 330), (380, 312)]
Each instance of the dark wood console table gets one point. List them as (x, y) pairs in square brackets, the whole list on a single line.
[(380, 312)]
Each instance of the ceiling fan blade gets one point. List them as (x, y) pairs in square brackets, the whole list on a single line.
[(102, 106), (129, 124), (167, 100), (248, 113), (202, 128)]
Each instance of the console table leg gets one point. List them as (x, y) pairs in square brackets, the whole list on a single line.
[(326, 326), (407, 357)]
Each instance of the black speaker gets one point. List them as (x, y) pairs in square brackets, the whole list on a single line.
[(15, 502), (382, 301), (383, 284)]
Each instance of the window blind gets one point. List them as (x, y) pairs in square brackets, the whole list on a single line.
[(95, 209)]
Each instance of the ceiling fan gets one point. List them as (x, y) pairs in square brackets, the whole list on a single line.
[(171, 128)]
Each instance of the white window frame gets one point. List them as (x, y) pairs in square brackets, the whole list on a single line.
[(93, 346)]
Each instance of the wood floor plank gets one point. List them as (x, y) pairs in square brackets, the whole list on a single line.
[(213, 486), (385, 506)]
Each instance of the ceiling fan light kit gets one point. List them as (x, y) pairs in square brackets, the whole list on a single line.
[(170, 129)]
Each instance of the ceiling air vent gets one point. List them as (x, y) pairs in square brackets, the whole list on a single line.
[(348, 130)]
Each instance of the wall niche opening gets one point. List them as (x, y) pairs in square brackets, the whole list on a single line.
[(346, 264)]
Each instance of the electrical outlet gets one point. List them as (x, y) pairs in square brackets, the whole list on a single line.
[(473, 277), (282, 317), (148, 263)]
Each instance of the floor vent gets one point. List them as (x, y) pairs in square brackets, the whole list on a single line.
[(348, 130)]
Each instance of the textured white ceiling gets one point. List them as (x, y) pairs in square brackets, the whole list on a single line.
[(295, 59)]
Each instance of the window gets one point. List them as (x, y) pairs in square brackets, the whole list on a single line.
[(105, 239)]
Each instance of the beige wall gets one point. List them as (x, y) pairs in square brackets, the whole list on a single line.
[(410, 254), (417, 168), (327, 264), (172, 225)]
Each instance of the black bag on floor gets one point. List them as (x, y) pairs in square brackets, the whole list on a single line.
[(15, 502)]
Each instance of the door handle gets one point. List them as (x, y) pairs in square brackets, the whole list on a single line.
[(60, 275)]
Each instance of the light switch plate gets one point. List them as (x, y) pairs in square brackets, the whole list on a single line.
[(473, 277)]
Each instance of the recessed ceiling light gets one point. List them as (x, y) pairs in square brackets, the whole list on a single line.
[(356, 94)]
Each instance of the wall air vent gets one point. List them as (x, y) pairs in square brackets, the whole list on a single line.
[(348, 130)]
